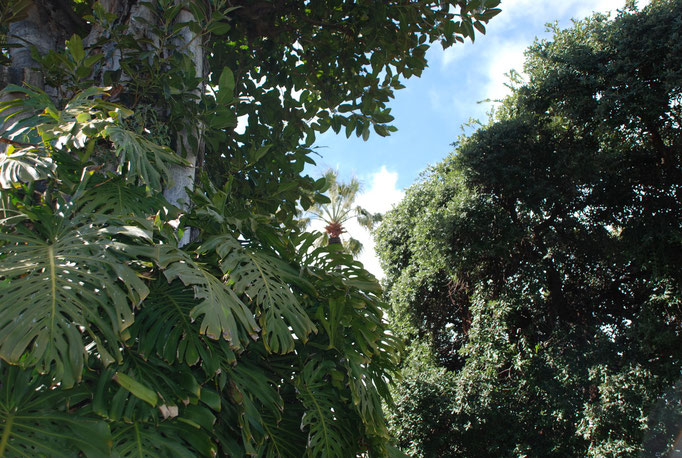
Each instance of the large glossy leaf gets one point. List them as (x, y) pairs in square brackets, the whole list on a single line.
[(61, 288), (218, 304), (284, 437), (115, 197), (23, 166), (259, 277), (85, 118), (365, 391), (141, 159), (170, 438), (163, 327), (141, 388), (36, 420), (253, 393), (329, 431)]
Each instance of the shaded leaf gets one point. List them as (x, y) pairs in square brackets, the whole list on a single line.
[(219, 305), (35, 420), (170, 438), (141, 159), (61, 288), (257, 275), (329, 434), (164, 327)]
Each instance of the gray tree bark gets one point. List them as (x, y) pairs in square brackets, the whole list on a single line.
[(49, 23), (182, 178)]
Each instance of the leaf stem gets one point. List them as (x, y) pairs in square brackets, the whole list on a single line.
[(6, 433), (53, 282)]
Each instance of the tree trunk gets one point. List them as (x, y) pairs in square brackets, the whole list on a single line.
[(49, 23), (36, 29), (182, 178)]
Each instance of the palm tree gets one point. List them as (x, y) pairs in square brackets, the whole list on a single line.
[(341, 210)]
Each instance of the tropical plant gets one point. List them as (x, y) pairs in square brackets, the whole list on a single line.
[(156, 296), (536, 273), (340, 210)]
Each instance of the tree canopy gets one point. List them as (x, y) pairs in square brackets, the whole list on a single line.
[(535, 273), (156, 296)]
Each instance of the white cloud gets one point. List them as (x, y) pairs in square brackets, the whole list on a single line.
[(382, 193), (380, 197), (508, 56), (538, 13), (502, 48)]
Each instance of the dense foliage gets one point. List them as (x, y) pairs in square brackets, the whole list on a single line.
[(536, 273), (122, 335)]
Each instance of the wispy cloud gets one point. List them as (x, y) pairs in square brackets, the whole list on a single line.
[(508, 56), (502, 48), (381, 195)]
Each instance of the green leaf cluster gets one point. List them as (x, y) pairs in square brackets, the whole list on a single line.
[(118, 340), (535, 272)]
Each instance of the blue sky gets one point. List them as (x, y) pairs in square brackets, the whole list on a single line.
[(430, 110)]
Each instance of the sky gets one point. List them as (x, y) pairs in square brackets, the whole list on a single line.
[(430, 111)]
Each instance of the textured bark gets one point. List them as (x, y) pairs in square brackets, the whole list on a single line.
[(36, 29), (182, 178), (49, 24)]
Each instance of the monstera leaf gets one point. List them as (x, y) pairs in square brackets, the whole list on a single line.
[(259, 277), (139, 387), (163, 327), (329, 432), (256, 405), (60, 287), (284, 437), (23, 166), (366, 385), (217, 303), (36, 420), (84, 119), (170, 438), (140, 159), (116, 197)]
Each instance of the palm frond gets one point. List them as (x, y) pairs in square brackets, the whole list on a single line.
[(342, 209), (353, 246)]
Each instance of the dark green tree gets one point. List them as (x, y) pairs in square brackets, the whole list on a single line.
[(156, 296), (540, 265)]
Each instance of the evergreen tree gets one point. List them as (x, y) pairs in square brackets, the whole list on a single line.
[(536, 273), (156, 297)]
